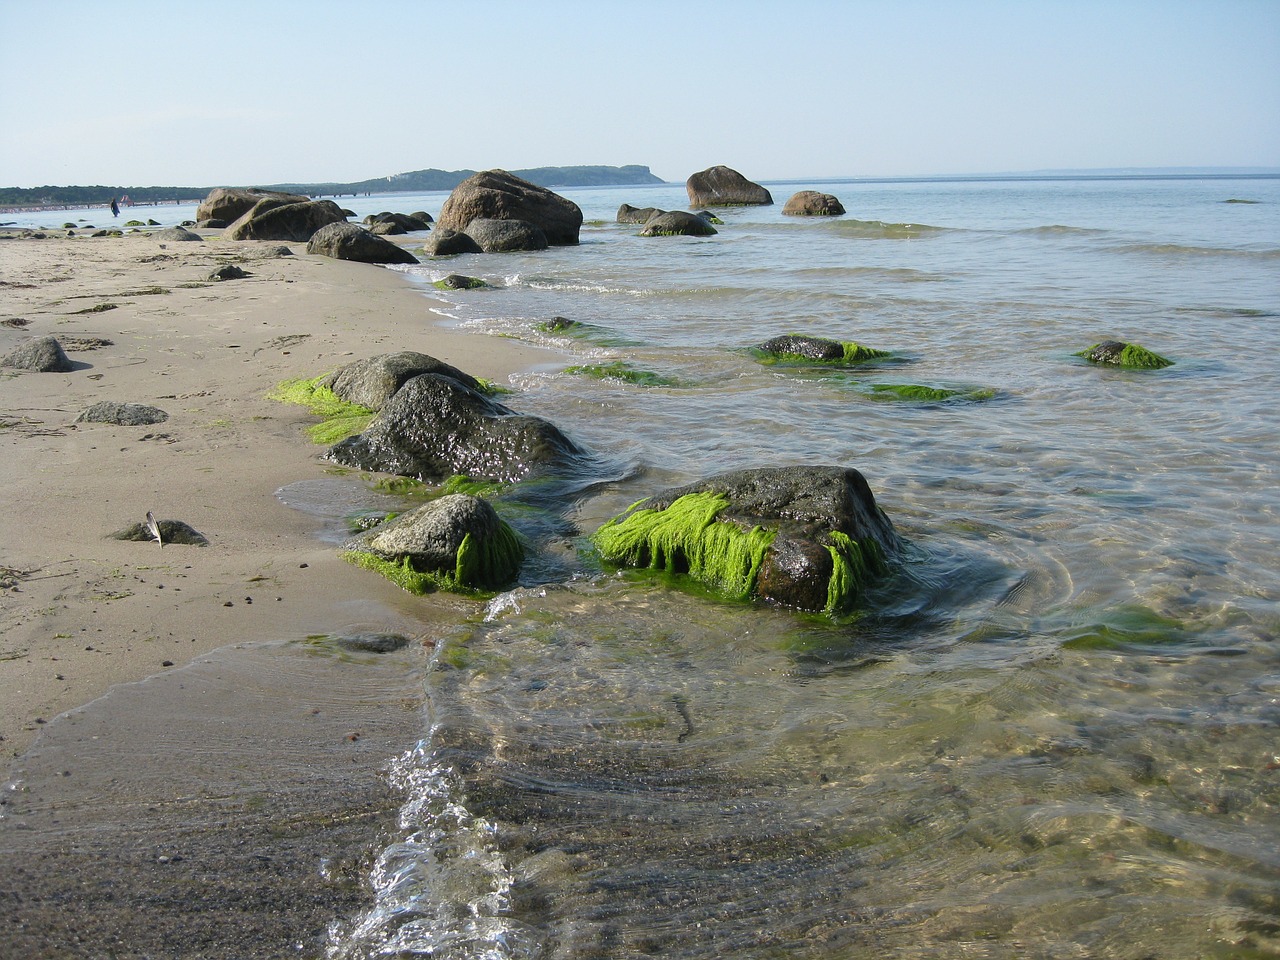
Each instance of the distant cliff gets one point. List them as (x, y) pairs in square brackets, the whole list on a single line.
[(418, 181)]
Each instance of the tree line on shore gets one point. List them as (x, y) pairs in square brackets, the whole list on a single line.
[(415, 181)]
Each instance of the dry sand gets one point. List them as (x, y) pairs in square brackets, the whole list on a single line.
[(81, 613)]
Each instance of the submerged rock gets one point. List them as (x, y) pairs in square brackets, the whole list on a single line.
[(818, 350), (372, 382), (806, 537), (122, 414), (1122, 354), (457, 541), (41, 354), (435, 427), (811, 203), (722, 186), (677, 223)]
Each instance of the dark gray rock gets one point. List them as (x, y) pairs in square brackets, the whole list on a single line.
[(349, 241), (629, 214), (122, 414), (811, 203), (446, 243), (811, 348), (372, 382), (811, 512), (177, 234), (272, 219), (211, 224), (498, 195), (228, 271), (677, 223), (423, 217), (502, 236), (398, 222), (42, 354), (722, 186), (371, 642), (229, 204), (434, 427), (171, 531)]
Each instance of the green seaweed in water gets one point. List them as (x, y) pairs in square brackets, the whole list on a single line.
[(1130, 626), (921, 394), (341, 419), (1132, 357), (481, 566), (853, 353), (687, 538), (618, 370), (853, 564)]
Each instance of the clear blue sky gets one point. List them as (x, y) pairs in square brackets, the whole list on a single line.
[(187, 92)]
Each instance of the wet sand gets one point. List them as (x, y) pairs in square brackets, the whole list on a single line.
[(216, 808)]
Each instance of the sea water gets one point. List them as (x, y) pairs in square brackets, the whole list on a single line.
[(1053, 731)]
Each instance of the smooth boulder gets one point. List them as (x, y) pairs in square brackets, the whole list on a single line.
[(629, 214), (722, 186), (503, 236), (812, 538), (122, 414), (41, 354), (445, 242), (292, 222), (350, 241), (375, 380), (677, 223), (229, 204), (498, 195), (435, 427), (811, 203), (459, 538)]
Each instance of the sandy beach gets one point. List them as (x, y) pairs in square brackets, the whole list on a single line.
[(82, 613)]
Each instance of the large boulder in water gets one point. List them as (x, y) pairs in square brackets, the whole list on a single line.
[(445, 242), (811, 203), (229, 204), (629, 214), (677, 223), (435, 427), (272, 219), (373, 381), (457, 541), (41, 354), (349, 241), (806, 537), (502, 236), (722, 186), (498, 195)]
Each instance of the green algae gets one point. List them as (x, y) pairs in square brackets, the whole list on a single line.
[(688, 538), (1125, 627), (918, 393), (853, 564), (1132, 357), (482, 566), (340, 418), (854, 353), (619, 370)]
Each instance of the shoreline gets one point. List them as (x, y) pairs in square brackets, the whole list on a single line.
[(179, 761)]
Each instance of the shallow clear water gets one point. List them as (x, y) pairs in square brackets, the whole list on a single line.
[(1052, 733)]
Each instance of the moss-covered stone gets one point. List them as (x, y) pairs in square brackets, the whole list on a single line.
[(918, 393), (1128, 355), (619, 370), (801, 349), (456, 281), (340, 418)]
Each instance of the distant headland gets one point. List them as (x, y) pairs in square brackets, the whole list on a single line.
[(416, 181)]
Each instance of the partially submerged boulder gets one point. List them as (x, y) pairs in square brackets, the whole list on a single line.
[(41, 354), (434, 427), (1121, 354), (502, 236), (445, 242), (817, 350), (677, 223), (122, 414), (398, 222), (231, 203), (455, 542), (806, 537), (498, 195), (373, 381), (811, 203), (722, 186), (629, 214), (349, 241), (273, 219)]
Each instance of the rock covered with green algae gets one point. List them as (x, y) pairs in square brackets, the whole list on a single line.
[(797, 347), (1129, 355), (812, 538), (457, 542)]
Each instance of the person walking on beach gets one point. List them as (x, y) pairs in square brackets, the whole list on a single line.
[(115, 208)]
